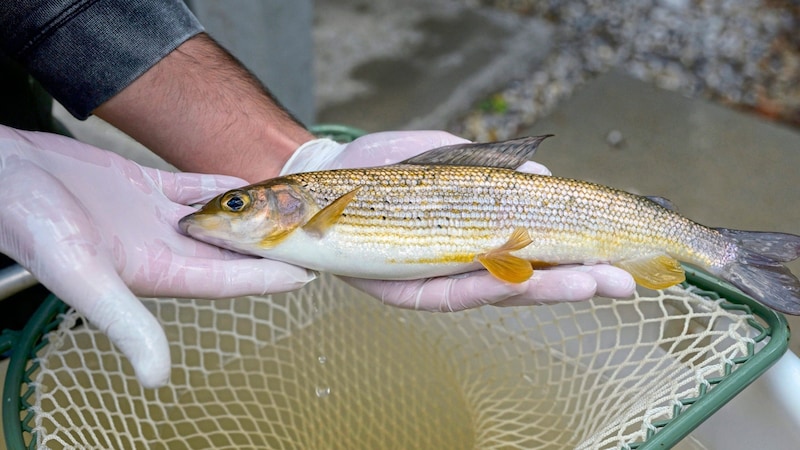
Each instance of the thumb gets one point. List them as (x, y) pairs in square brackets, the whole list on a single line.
[(110, 306), (45, 229)]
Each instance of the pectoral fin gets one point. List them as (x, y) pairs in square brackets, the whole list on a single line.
[(654, 272), (500, 263), (329, 215)]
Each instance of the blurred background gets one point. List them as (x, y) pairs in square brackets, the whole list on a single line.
[(742, 54)]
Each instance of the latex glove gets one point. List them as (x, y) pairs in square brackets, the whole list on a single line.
[(558, 284), (376, 149), (97, 229)]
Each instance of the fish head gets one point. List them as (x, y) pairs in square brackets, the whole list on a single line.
[(251, 219)]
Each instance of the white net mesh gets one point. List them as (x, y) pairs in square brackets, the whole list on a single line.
[(327, 367)]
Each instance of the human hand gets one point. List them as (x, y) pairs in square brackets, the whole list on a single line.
[(376, 149), (557, 284), (97, 229)]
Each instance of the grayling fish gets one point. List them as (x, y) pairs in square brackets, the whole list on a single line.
[(460, 208)]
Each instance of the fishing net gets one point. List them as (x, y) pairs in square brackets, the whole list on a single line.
[(327, 367)]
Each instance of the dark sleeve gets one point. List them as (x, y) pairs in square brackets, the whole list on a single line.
[(84, 52)]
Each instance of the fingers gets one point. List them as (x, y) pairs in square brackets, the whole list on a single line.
[(444, 294), (574, 283), (47, 231), (376, 149), (393, 146), (171, 275), (127, 323), (563, 284), (390, 147), (412, 141), (190, 188), (551, 286), (611, 281), (534, 168)]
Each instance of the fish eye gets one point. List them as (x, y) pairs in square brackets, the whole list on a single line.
[(235, 201)]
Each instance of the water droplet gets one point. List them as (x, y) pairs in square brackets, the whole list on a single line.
[(322, 359), (323, 392)]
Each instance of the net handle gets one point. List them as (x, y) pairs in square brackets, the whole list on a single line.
[(15, 279)]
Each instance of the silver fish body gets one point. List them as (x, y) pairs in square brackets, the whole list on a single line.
[(442, 215)]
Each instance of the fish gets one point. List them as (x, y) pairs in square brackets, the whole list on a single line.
[(462, 208)]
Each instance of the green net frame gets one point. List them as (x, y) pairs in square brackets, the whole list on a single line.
[(18, 387), (718, 391)]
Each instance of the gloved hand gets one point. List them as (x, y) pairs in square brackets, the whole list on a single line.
[(376, 149), (97, 229), (562, 283)]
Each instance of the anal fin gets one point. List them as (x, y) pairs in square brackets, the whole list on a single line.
[(654, 272), (505, 266), (329, 215)]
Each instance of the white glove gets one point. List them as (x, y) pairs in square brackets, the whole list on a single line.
[(376, 149), (97, 229), (558, 284)]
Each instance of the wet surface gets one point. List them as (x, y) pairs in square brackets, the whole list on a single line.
[(451, 50)]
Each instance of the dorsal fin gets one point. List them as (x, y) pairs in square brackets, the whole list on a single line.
[(505, 154)]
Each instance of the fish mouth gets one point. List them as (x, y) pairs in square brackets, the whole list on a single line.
[(197, 225), (207, 228), (185, 223)]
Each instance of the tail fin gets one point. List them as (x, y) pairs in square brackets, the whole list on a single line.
[(759, 272)]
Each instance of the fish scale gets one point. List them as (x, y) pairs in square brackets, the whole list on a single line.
[(417, 207)]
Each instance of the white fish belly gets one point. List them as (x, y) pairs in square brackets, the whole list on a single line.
[(339, 256)]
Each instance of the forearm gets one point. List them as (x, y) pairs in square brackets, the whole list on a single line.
[(200, 110)]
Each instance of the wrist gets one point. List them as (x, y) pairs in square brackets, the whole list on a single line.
[(200, 110), (317, 154)]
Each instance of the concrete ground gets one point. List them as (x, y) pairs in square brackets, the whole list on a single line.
[(417, 64), (720, 167)]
